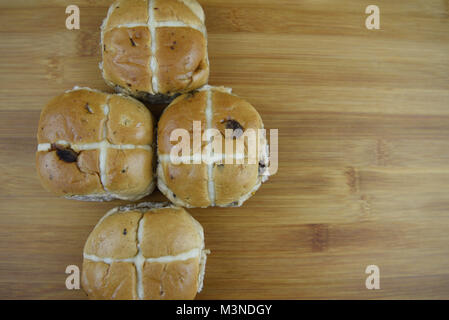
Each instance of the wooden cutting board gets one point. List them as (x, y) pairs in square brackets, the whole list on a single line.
[(363, 119)]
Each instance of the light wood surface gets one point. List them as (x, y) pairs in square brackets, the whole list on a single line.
[(363, 119)]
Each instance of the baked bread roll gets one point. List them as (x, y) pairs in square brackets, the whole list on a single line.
[(149, 251), (96, 146), (215, 182), (153, 49)]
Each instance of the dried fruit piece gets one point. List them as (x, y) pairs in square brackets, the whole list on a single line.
[(65, 153), (236, 127)]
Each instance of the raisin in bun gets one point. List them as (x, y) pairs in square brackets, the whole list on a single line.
[(96, 146), (154, 49), (216, 182), (149, 251)]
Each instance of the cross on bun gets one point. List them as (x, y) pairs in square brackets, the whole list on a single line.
[(149, 251), (153, 49), (96, 146), (218, 183)]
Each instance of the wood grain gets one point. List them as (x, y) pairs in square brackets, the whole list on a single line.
[(363, 119)]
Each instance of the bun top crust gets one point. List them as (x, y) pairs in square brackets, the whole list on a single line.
[(79, 116), (167, 231), (157, 250), (171, 231), (155, 46), (115, 236), (180, 114), (95, 145), (202, 184), (75, 116), (187, 11), (181, 63), (129, 122), (126, 59), (123, 12)]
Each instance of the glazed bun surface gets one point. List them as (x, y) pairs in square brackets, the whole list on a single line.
[(149, 251), (153, 49), (96, 146), (214, 183)]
